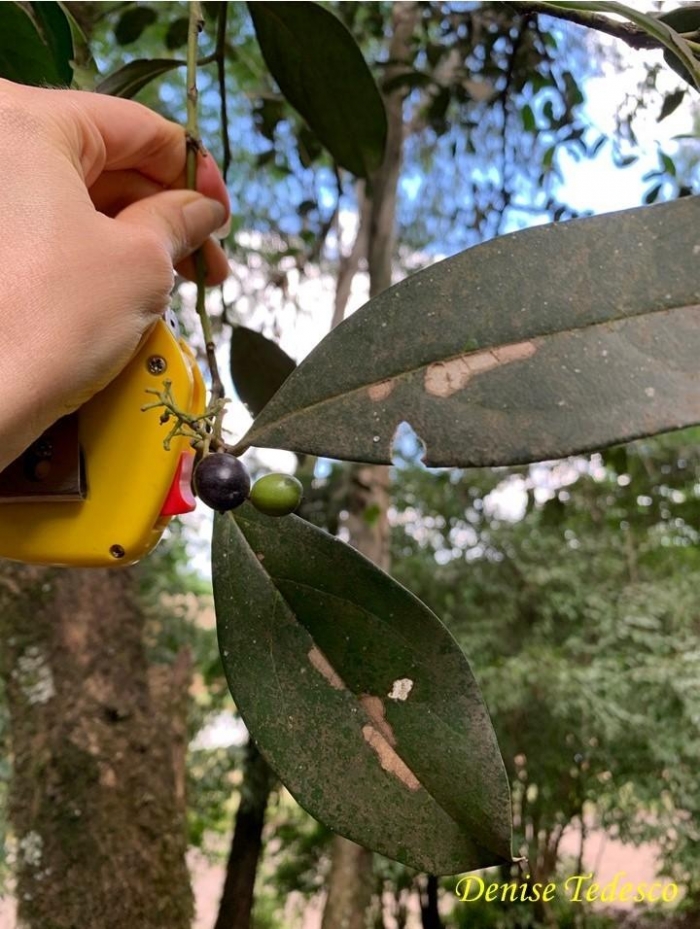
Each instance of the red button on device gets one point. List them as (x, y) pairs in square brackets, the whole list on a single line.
[(180, 498)]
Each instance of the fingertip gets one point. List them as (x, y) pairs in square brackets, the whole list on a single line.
[(210, 181), (215, 262)]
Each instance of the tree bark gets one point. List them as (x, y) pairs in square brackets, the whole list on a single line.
[(350, 881), (94, 804), (349, 886), (430, 914), (236, 903)]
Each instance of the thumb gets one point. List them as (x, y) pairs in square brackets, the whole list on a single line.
[(182, 220)]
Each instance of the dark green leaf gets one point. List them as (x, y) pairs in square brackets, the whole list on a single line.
[(624, 161), (528, 118), (536, 345), (212, 9), (176, 36), (133, 77), (684, 19), (673, 62), (267, 114), (652, 195), (258, 367), (56, 31), (671, 104), (321, 72), (597, 145), (265, 158), (25, 56), (668, 163), (573, 91), (132, 23), (358, 696)]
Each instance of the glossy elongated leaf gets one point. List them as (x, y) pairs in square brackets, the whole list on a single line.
[(56, 31), (536, 345), (320, 70), (358, 696), (684, 19), (26, 56), (128, 80), (259, 367)]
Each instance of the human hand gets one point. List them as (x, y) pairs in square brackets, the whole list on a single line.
[(95, 219)]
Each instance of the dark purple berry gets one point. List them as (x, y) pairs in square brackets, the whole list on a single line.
[(221, 481)]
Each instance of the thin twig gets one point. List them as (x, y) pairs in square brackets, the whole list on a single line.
[(220, 57), (194, 146), (629, 33)]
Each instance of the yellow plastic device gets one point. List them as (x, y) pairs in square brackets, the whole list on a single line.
[(98, 488)]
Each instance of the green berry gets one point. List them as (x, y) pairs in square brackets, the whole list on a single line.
[(276, 494), (221, 481)]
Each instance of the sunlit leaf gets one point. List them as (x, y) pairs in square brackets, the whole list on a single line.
[(258, 367), (320, 70), (539, 344), (358, 696), (133, 77)]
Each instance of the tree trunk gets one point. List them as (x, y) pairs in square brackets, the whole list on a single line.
[(349, 886), (350, 881), (430, 914), (237, 899), (94, 803)]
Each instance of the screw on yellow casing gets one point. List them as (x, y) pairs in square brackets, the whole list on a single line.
[(114, 511)]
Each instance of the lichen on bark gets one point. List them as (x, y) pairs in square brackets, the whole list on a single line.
[(99, 827)]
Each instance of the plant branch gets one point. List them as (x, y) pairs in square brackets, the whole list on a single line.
[(628, 32), (641, 30), (194, 146), (220, 58)]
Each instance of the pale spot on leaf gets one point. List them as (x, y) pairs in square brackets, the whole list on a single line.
[(445, 378), (388, 758), (324, 667), (400, 689), (374, 708), (381, 390)]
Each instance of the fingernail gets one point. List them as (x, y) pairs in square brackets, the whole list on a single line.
[(203, 216), (223, 231)]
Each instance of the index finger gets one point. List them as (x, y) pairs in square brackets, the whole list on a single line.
[(126, 135)]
